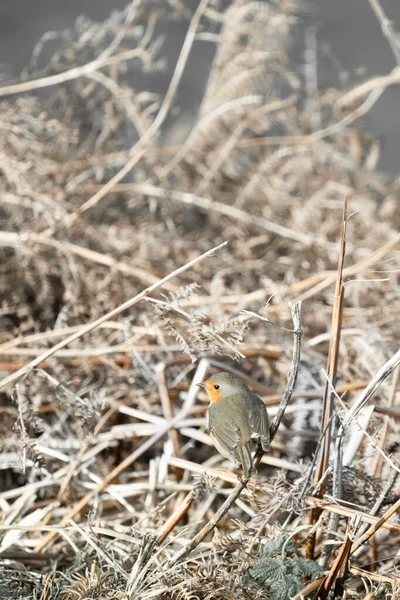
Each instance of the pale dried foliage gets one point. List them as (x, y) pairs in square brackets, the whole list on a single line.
[(254, 171)]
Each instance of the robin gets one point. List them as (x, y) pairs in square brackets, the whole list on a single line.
[(237, 419)]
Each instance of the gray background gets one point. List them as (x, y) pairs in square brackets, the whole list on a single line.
[(348, 34)]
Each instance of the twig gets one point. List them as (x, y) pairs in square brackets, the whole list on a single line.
[(349, 512), (328, 398), (337, 489), (168, 413), (368, 575), (176, 516), (374, 528), (69, 75), (386, 28), (292, 375), (94, 324), (327, 402), (380, 83), (374, 384), (184, 552), (308, 589), (341, 559)]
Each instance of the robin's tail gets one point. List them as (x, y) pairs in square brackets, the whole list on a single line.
[(265, 442), (246, 459)]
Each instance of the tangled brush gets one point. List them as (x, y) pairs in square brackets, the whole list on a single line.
[(98, 203)]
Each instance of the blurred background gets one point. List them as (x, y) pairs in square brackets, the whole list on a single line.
[(347, 33)]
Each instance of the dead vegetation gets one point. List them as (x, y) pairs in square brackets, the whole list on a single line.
[(107, 472)]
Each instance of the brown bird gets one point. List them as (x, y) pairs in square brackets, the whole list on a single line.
[(237, 420)]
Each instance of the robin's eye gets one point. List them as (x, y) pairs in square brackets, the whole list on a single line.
[(216, 387)]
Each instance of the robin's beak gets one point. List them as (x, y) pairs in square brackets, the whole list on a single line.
[(201, 385)]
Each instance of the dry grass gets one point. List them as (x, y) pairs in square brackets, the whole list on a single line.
[(107, 471)]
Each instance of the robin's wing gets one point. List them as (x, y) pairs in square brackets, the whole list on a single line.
[(226, 436), (259, 422)]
